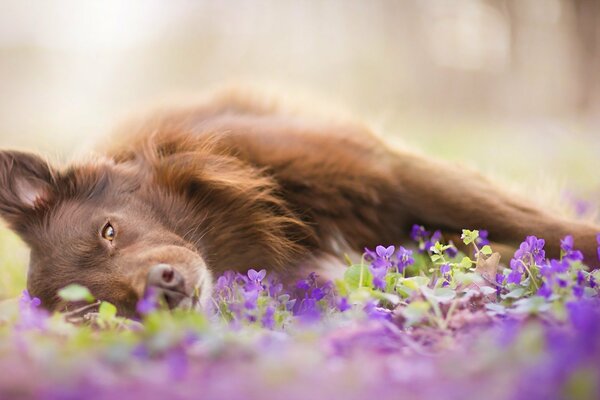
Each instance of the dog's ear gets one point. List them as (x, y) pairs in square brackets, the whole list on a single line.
[(26, 186)]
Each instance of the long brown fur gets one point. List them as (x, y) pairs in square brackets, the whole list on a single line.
[(243, 183)]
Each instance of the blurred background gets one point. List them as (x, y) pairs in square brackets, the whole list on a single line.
[(509, 86)]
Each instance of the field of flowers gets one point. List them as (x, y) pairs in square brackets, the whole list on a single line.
[(420, 321)]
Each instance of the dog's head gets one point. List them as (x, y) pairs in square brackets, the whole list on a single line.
[(99, 226)]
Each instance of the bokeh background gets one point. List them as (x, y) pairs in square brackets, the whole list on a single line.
[(509, 86)]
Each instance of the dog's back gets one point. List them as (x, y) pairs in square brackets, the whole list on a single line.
[(344, 186)]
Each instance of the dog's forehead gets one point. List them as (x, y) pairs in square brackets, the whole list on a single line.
[(88, 194), (97, 179)]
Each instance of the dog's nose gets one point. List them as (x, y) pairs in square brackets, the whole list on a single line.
[(168, 282)]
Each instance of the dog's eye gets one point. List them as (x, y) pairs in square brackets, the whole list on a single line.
[(108, 232)]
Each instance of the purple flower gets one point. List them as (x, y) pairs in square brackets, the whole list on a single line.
[(343, 304), (225, 282), (499, 279), (482, 240), (378, 277), (566, 244), (531, 249), (377, 313), (380, 264), (383, 257), (30, 313), (268, 319), (274, 287), (250, 299), (369, 255), (514, 277), (545, 290), (569, 253), (148, 303), (452, 251), (317, 293), (141, 351), (598, 241), (585, 318), (308, 283), (445, 269), (26, 302), (308, 310), (580, 278), (499, 283), (177, 363), (579, 287), (255, 276), (561, 282), (419, 234), (436, 237), (405, 258), (384, 252), (558, 267)]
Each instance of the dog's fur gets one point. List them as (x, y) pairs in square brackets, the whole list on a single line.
[(234, 183)]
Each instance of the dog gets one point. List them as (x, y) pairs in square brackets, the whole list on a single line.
[(186, 193)]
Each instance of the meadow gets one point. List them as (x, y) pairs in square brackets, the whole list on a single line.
[(411, 320), (507, 87)]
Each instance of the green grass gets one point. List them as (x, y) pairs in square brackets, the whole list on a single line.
[(13, 264)]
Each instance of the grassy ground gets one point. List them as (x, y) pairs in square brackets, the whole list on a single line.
[(13, 264)]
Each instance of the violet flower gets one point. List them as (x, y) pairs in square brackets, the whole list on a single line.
[(31, 316), (377, 313), (268, 319), (405, 258), (149, 302), (569, 253), (343, 304), (531, 248)]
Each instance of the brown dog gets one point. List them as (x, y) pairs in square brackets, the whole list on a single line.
[(231, 184)]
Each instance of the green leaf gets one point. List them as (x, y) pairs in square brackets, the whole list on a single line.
[(487, 290), (531, 305), (75, 292), (496, 308), (107, 311), (437, 248), (468, 236), (415, 282), (353, 273), (487, 250), (415, 312), (438, 295), (435, 257), (516, 293), (466, 263), (389, 297), (407, 286), (467, 278), (361, 295)]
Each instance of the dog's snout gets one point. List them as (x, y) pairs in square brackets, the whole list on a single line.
[(163, 276), (168, 282)]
